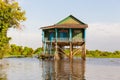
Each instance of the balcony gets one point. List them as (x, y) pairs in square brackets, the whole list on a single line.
[(64, 40)]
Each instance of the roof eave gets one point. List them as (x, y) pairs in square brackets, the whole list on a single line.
[(58, 26)]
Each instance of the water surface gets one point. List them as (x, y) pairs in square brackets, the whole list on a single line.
[(35, 69)]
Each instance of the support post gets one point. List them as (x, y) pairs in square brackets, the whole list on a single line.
[(84, 35), (50, 48), (44, 47), (43, 36), (71, 50), (43, 41), (56, 34), (83, 52), (71, 46), (56, 56), (70, 34)]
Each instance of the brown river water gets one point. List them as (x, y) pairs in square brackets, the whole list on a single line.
[(77, 69)]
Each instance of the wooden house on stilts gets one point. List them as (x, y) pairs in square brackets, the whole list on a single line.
[(68, 33)]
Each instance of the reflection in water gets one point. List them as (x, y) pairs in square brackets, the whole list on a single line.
[(34, 69), (3, 66), (63, 70), (21, 69)]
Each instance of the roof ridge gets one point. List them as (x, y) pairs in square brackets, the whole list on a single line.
[(72, 18)]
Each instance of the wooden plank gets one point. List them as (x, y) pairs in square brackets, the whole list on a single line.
[(71, 49), (56, 55), (83, 52), (63, 52), (76, 52)]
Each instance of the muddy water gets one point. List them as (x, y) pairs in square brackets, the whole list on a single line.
[(34, 69)]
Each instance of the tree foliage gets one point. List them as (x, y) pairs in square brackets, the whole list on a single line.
[(10, 17), (38, 51), (20, 50), (103, 54)]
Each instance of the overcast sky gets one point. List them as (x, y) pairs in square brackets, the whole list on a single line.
[(102, 17)]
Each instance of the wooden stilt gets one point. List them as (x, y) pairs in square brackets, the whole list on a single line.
[(71, 67), (50, 48), (71, 50), (75, 52), (56, 56), (62, 52), (83, 69), (83, 52), (44, 47)]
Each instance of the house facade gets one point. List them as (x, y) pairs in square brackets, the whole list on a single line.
[(68, 32)]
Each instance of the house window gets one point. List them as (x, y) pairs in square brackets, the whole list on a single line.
[(63, 35), (51, 36)]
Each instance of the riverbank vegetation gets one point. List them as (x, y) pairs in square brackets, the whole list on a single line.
[(98, 54), (10, 17), (20, 51), (102, 54)]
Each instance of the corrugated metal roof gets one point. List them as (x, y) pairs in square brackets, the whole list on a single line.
[(66, 26), (68, 22)]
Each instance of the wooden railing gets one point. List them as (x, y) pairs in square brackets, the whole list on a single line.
[(78, 40), (64, 40)]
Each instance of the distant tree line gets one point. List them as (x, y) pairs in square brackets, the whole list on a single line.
[(104, 54), (98, 54), (20, 51)]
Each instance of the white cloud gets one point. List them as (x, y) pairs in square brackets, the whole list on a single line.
[(22, 38), (103, 36)]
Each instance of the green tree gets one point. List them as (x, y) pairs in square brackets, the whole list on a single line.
[(10, 17), (38, 51), (28, 52), (15, 50)]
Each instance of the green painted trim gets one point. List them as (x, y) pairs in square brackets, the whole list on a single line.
[(56, 34), (70, 34), (43, 37), (70, 16), (84, 35), (63, 20)]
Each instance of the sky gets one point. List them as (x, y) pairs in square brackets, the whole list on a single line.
[(102, 17)]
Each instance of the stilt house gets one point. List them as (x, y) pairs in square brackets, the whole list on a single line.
[(68, 33)]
